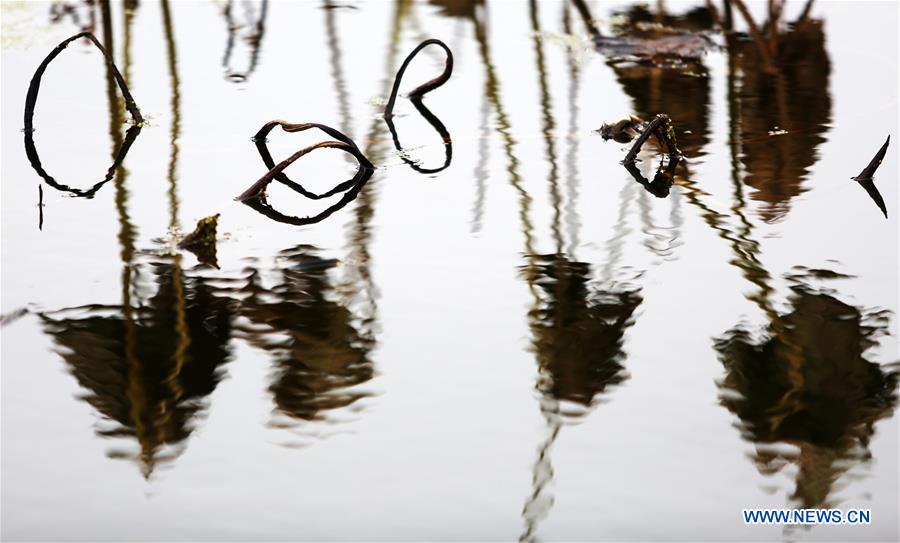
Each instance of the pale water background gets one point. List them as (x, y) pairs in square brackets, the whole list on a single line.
[(525, 344)]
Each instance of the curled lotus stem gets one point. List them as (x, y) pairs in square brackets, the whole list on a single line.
[(262, 147), (259, 186), (426, 87), (35, 85)]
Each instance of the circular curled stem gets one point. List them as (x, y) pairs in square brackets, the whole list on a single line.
[(260, 186), (31, 100), (263, 148)]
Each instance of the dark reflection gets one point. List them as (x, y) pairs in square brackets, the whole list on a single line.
[(457, 8), (640, 21), (148, 370), (658, 60), (578, 333), (317, 349), (869, 186), (680, 89), (807, 383), (436, 124), (31, 151), (662, 180), (147, 365), (248, 32), (261, 204), (578, 330), (577, 325), (791, 96)]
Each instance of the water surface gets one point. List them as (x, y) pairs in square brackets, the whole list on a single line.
[(526, 343)]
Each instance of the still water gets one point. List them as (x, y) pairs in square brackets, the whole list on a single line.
[(526, 343)]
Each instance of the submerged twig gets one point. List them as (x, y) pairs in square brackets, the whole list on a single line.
[(426, 87), (40, 207)]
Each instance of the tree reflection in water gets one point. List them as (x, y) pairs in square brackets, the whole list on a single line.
[(680, 89), (809, 386), (318, 352), (577, 331), (246, 27), (795, 98), (148, 370)]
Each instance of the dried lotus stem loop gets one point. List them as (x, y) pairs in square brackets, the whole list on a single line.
[(34, 87), (263, 148), (425, 87), (259, 187), (31, 99)]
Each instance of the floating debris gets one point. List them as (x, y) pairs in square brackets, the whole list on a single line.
[(202, 241), (678, 46), (624, 130)]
